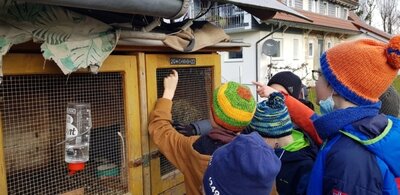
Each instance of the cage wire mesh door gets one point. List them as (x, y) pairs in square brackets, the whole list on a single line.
[(33, 111), (191, 101)]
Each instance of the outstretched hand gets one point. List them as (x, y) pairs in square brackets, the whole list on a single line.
[(186, 130), (264, 90), (170, 83)]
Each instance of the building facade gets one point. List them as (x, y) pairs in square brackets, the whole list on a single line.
[(299, 42)]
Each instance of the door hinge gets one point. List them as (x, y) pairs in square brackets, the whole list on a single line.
[(145, 160)]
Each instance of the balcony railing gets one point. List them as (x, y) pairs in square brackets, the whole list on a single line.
[(228, 17)]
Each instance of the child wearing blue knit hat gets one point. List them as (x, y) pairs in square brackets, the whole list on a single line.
[(272, 119), (295, 150), (247, 165)]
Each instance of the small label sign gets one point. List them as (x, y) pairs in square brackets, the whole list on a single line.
[(182, 61)]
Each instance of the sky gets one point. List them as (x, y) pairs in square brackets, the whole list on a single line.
[(376, 18)]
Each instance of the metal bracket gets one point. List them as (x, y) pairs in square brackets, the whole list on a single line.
[(145, 160), (156, 22)]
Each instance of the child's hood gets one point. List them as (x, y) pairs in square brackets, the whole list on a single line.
[(385, 144)]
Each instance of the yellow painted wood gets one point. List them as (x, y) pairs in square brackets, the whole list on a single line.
[(143, 128), (22, 64), (153, 62), (171, 180), (176, 190), (3, 174), (132, 120), (216, 70), (151, 81)]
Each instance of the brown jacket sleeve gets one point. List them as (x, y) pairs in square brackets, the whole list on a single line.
[(174, 146)]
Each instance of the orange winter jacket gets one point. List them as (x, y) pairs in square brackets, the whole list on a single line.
[(301, 115), (177, 148)]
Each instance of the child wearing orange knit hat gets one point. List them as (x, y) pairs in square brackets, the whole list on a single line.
[(361, 150)]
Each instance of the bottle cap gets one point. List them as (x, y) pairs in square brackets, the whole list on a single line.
[(74, 167)]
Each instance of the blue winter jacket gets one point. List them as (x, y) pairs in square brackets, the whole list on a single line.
[(361, 154)]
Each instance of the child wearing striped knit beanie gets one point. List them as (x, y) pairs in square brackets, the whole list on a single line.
[(233, 106), (272, 119), (362, 148), (231, 110), (295, 150)]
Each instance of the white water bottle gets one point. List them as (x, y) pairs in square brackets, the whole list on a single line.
[(77, 135)]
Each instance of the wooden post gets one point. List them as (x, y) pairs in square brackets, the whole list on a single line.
[(3, 174), (132, 126), (144, 121)]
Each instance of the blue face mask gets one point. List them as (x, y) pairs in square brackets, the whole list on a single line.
[(326, 106)]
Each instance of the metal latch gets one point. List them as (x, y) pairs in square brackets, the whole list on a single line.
[(145, 160)]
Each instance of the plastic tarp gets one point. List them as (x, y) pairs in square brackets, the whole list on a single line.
[(70, 39)]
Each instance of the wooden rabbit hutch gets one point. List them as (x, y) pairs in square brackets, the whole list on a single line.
[(33, 99), (34, 93)]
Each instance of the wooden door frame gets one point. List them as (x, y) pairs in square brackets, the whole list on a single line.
[(154, 62)]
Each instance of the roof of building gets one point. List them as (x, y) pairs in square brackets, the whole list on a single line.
[(361, 24), (265, 9), (319, 22), (353, 25), (346, 2)]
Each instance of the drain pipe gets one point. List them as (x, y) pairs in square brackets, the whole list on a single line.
[(266, 36), (170, 9)]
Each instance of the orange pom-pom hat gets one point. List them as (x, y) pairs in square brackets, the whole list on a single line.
[(361, 71)]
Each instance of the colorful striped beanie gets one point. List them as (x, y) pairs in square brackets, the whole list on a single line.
[(233, 106), (362, 70), (272, 118)]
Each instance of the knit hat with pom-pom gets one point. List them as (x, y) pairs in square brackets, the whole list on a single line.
[(272, 119), (233, 106), (362, 70)]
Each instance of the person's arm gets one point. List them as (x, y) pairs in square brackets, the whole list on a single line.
[(201, 127), (173, 145), (300, 114)]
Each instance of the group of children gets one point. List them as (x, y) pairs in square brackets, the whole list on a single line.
[(351, 149)]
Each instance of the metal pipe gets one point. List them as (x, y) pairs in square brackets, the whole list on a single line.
[(160, 8), (125, 34), (269, 34)]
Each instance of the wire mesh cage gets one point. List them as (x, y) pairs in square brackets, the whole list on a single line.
[(33, 113), (191, 100)]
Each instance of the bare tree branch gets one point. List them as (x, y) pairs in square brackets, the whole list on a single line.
[(388, 10), (365, 10)]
